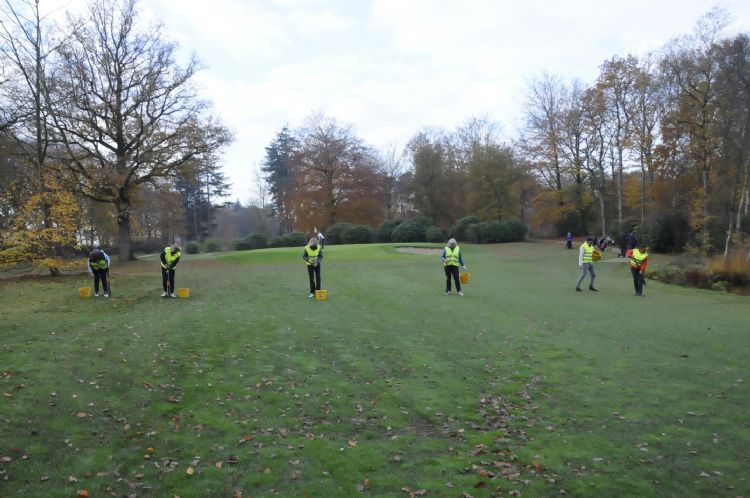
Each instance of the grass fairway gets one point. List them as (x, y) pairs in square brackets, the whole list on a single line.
[(522, 387)]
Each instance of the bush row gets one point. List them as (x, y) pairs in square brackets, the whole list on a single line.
[(468, 229)]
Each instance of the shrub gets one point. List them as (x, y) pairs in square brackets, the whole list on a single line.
[(147, 246), (357, 234), (472, 233), (291, 239), (192, 248), (435, 234), (256, 241), (459, 230), (385, 230), (670, 233), (516, 230), (212, 244), (408, 231), (335, 233)]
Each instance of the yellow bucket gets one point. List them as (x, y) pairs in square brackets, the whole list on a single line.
[(321, 295), (84, 291), (597, 255), (465, 277), (183, 292)]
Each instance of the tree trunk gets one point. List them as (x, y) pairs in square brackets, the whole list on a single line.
[(123, 229)]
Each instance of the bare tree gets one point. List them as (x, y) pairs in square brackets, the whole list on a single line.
[(125, 113)]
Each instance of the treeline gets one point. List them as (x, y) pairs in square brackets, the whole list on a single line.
[(658, 144), (104, 137)]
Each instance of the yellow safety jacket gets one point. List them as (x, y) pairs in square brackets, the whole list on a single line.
[(171, 258), (312, 255), (638, 258), (451, 256), (588, 253)]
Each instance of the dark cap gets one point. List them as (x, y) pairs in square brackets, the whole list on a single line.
[(590, 238)]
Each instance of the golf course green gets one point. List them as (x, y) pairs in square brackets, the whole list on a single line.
[(523, 387)]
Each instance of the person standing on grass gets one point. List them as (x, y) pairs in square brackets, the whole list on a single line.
[(313, 255), (586, 263), (638, 261), (169, 256), (321, 238), (569, 241), (99, 269), (452, 258)]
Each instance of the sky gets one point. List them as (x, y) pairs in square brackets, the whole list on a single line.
[(390, 68)]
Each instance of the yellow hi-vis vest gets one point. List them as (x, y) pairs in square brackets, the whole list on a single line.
[(451, 257), (170, 257), (588, 253), (98, 265), (637, 259), (312, 255)]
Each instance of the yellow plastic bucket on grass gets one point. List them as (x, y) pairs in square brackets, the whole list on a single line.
[(321, 295), (465, 277), (84, 291), (183, 292)]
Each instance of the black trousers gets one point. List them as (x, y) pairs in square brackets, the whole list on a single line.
[(101, 275), (637, 281), (452, 271), (167, 277), (313, 273)]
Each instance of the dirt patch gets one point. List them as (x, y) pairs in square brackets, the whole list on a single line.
[(424, 251)]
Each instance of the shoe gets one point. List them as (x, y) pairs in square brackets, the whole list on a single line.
[(164, 294), (172, 295), (106, 294), (578, 289), (447, 293), (460, 293), (591, 287), (311, 295)]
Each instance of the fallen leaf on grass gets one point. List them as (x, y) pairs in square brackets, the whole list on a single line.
[(44, 478), (190, 471), (219, 465), (480, 484), (83, 493), (81, 414), (537, 466), (151, 450), (352, 443)]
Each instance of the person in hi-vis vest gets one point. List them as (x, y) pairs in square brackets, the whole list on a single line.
[(313, 255), (169, 257), (586, 263), (99, 269), (638, 262), (452, 258)]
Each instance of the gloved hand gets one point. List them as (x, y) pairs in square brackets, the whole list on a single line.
[(464, 267)]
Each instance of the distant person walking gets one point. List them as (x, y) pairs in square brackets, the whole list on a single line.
[(169, 256), (569, 241), (638, 262), (623, 243), (98, 266), (632, 241), (452, 257), (321, 238), (586, 262), (313, 255)]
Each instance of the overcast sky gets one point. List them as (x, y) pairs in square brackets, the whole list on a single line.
[(393, 67)]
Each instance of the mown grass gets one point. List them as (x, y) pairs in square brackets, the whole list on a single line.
[(387, 389)]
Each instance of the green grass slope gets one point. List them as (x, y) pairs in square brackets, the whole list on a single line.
[(522, 387)]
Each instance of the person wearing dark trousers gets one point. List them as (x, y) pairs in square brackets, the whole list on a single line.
[(569, 241), (313, 255), (638, 262), (99, 269), (452, 258), (623, 243), (169, 256)]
